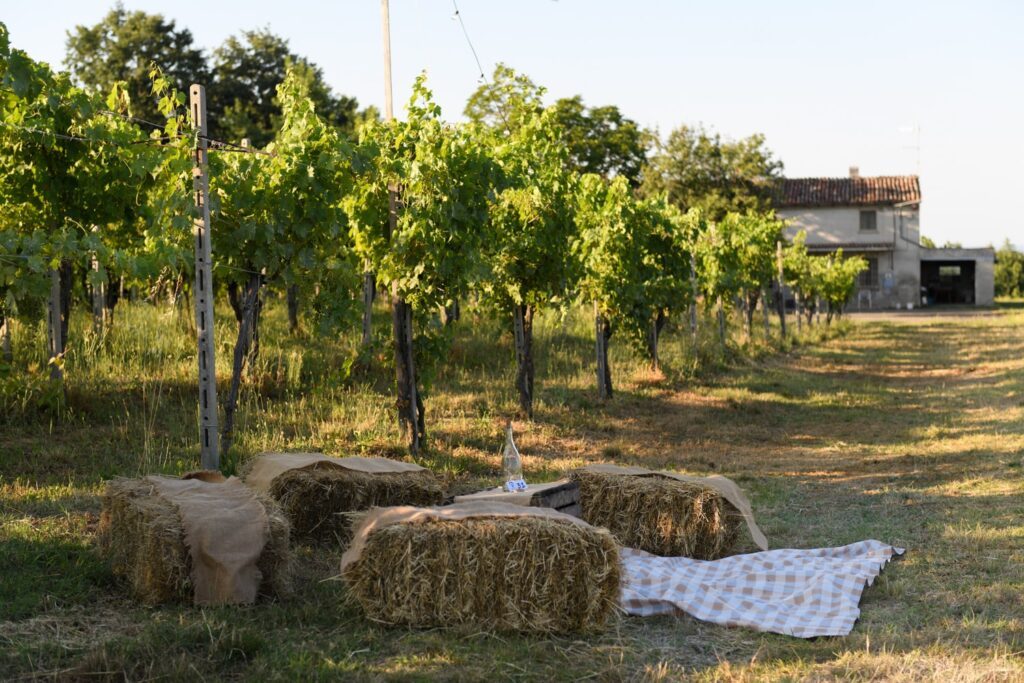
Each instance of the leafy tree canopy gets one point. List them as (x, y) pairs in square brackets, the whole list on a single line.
[(242, 75), (601, 140), (509, 99), (243, 98), (122, 47), (698, 169), (1009, 271)]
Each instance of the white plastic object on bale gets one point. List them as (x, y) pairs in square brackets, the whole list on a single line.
[(512, 464)]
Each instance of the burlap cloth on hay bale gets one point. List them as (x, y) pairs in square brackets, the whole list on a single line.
[(666, 513), (315, 490), (487, 564), (202, 535)]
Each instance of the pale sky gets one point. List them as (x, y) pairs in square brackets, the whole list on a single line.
[(831, 84)]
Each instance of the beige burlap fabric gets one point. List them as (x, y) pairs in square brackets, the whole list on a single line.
[(380, 518), (268, 466), (726, 487), (516, 497), (226, 529)]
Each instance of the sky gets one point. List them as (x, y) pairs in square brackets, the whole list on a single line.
[(928, 87)]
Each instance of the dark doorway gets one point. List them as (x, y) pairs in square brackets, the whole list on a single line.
[(948, 282)]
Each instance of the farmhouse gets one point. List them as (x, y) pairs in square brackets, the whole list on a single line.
[(879, 218)]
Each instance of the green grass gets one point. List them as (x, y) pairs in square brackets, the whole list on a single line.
[(909, 433)]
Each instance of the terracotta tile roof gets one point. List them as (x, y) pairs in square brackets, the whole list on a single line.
[(886, 190), (849, 246)]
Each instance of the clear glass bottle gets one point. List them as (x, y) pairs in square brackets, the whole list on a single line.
[(512, 464)]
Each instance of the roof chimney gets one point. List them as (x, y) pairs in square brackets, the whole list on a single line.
[(855, 172)]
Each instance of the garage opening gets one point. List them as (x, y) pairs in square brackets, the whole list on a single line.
[(948, 282)]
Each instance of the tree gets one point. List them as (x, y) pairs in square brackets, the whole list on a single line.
[(243, 98), (278, 217), (838, 275), (1009, 271), (123, 46), (667, 287), (802, 276), (927, 242), (63, 177), (697, 169), (531, 222), (503, 103), (754, 236), (601, 140), (612, 259), (441, 176), (717, 254)]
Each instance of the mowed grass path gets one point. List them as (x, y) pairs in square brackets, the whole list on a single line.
[(912, 434)]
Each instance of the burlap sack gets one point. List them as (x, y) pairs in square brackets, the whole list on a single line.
[(226, 529)]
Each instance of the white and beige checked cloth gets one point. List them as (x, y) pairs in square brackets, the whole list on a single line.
[(802, 593)]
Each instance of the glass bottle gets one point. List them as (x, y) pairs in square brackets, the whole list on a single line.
[(512, 464)]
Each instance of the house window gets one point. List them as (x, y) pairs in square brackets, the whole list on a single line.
[(869, 276), (869, 221)]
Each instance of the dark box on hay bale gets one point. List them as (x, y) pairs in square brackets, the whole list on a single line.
[(505, 573), (142, 536), (660, 515), (315, 500)]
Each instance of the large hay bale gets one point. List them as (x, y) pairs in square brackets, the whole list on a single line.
[(659, 514), (142, 535), (315, 499), (501, 573)]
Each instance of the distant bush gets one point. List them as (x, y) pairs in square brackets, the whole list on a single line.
[(1009, 271)]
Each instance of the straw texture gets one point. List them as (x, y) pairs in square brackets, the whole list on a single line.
[(659, 515), (314, 499), (502, 573)]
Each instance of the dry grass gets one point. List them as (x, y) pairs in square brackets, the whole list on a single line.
[(507, 574), (660, 515), (911, 434)]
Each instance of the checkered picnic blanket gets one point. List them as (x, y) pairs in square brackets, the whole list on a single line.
[(802, 593)]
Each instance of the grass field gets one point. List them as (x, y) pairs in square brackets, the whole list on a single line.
[(908, 433)]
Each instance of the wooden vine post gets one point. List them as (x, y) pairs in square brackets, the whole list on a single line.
[(696, 293), (55, 326), (209, 457), (781, 294)]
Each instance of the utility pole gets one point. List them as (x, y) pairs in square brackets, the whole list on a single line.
[(408, 401), (385, 19), (208, 435)]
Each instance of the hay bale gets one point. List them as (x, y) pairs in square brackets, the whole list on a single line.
[(502, 573), (660, 515), (142, 536), (315, 499)]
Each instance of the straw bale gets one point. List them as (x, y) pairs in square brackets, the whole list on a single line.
[(315, 499), (496, 573), (660, 515), (142, 536)]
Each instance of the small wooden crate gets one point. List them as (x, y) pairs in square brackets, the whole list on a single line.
[(562, 495)]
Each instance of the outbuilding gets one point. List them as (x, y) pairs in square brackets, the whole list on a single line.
[(878, 218)]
